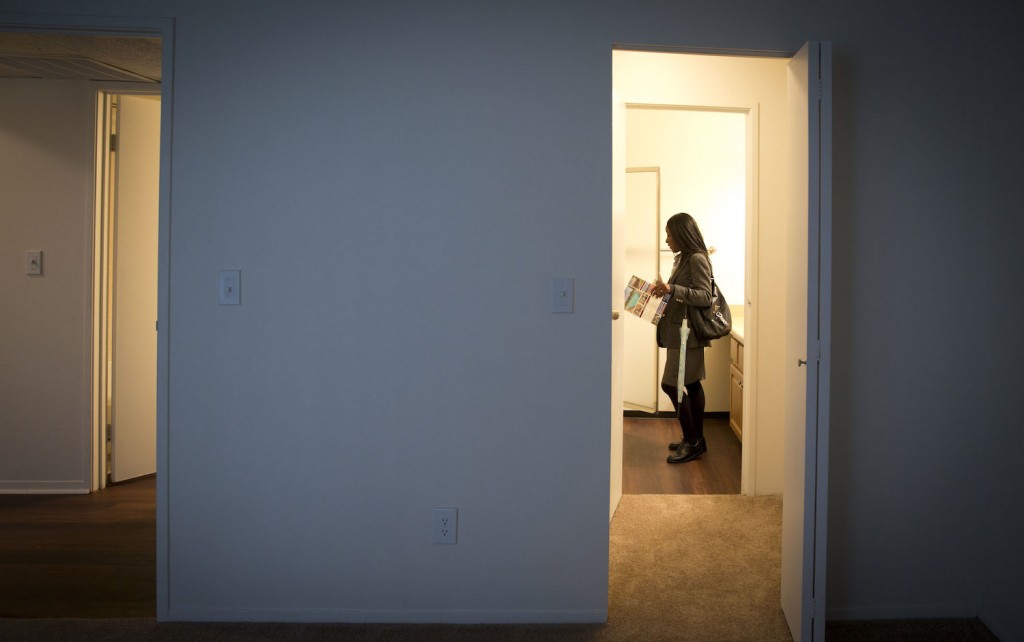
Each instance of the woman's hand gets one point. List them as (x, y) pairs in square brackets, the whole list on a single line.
[(661, 289)]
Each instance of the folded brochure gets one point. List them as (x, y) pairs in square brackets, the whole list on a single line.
[(640, 302)]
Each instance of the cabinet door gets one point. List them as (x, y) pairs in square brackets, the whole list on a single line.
[(736, 402)]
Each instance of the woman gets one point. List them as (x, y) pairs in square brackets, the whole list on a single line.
[(689, 285)]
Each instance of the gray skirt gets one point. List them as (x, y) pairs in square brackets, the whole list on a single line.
[(694, 366)]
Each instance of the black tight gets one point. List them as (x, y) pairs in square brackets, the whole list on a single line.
[(689, 412)]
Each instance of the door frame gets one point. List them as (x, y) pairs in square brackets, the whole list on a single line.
[(752, 115), (163, 28), (752, 119), (104, 274)]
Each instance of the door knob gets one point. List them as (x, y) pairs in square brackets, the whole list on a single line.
[(800, 362), (615, 315)]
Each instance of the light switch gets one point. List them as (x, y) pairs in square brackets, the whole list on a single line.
[(230, 287), (34, 263), (561, 295)]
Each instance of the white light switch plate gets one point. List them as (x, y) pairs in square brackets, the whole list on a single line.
[(561, 295), (34, 262), (230, 287)]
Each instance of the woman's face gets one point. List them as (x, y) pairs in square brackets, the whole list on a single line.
[(670, 241)]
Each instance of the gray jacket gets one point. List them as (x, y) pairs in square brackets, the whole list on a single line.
[(691, 285)]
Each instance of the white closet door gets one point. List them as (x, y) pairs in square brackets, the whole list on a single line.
[(618, 285), (642, 237), (133, 443)]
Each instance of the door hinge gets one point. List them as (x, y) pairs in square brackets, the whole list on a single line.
[(158, 325), (113, 142)]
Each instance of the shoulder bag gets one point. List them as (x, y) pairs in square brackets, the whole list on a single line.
[(714, 321)]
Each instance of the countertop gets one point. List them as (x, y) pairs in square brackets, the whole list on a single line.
[(737, 328)]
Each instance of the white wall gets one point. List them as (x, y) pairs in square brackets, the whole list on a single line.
[(46, 195), (325, 426), (702, 156), (323, 146)]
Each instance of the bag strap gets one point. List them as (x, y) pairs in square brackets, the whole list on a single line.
[(711, 267)]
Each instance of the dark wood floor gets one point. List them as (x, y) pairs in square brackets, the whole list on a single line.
[(645, 471), (79, 555)]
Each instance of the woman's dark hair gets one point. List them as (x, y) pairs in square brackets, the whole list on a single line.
[(687, 235)]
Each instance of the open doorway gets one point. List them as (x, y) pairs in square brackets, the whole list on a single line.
[(787, 300), (692, 159), (103, 84), (74, 69), (744, 101)]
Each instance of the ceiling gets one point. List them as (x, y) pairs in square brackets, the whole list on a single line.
[(69, 57)]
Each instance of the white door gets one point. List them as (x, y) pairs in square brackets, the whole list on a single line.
[(642, 239), (136, 236), (618, 286), (805, 491)]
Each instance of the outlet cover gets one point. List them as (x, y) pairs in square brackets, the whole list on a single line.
[(446, 525)]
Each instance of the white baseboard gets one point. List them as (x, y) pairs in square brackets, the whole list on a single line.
[(903, 612), (387, 616), (37, 487)]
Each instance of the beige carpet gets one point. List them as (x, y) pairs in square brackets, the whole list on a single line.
[(696, 567)]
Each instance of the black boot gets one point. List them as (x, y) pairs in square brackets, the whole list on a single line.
[(688, 451), (675, 445)]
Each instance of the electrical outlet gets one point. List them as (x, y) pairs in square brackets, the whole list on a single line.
[(446, 525)]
